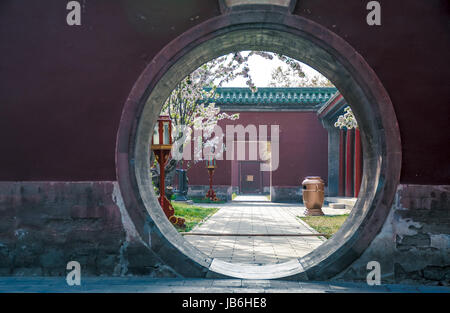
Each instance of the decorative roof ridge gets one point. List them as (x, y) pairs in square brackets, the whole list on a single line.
[(248, 90), (290, 97)]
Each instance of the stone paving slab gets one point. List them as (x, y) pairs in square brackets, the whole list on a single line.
[(175, 285), (256, 215), (251, 198)]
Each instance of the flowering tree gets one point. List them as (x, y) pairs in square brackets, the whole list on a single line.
[(346, 120), (293, 75), (191, 103)]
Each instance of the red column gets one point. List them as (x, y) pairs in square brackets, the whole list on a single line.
[(162, 183), (357, 162), (341, 191), (349, 164)]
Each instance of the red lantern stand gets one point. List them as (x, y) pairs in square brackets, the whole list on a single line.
[(211, 166), (161, 146)]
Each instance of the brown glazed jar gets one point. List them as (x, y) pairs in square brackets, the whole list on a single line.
[(313, 195)]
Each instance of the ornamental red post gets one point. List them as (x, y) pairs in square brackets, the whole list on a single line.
[(357, 162), (348, 164), (211, 166), (161, 146)]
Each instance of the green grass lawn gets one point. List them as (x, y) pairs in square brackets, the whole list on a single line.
[(205, 200), (327, 225), (192, 214)]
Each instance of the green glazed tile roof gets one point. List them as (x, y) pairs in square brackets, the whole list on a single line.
[(272, 98)]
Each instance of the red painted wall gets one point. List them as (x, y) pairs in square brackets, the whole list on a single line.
[(302, 148), (62, 88), (198, 174)]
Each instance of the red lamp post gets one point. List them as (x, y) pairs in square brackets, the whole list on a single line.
[(161, 146), (211, 166)]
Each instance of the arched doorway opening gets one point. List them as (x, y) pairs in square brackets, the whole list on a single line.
[(296, 37)]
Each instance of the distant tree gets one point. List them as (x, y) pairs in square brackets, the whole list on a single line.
[(293, 75), (191, 104)]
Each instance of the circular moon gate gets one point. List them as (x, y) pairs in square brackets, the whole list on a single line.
[(297, 38)]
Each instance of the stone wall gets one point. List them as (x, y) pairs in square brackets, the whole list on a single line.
[(286, 194), (199, 191), (414, 243), (289, 193), (44, 225)]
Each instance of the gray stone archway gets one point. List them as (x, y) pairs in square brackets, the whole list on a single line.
[(278, 31)]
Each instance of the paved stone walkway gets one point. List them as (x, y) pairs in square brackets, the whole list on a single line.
[(251, 198), (152, 285), (253, 215)]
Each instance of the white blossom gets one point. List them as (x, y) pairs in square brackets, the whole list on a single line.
[(346, 120)]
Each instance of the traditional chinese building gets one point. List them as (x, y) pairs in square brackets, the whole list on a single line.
[(297, 150)]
